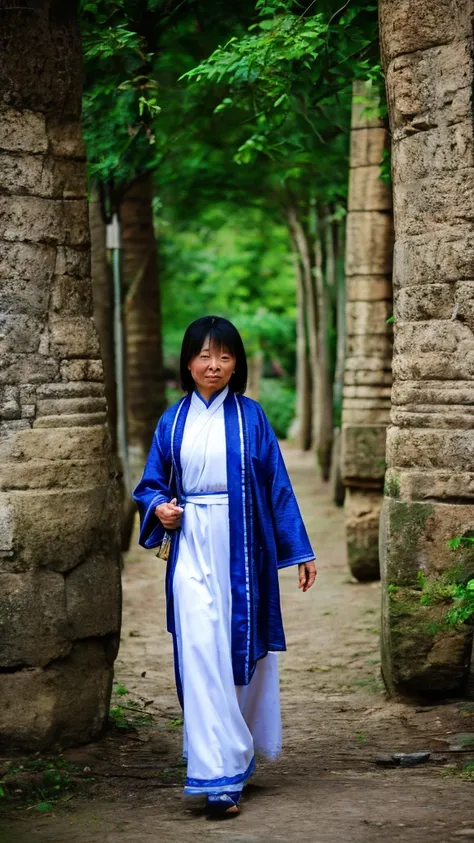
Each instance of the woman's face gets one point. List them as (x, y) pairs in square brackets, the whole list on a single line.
[(212, 368)]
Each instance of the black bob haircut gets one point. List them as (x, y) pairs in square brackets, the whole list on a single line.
[(225, 335)]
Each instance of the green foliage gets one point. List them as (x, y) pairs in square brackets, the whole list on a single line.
[(278, 400), (41, 782), (458, 596), (287, 67), (236, 263)]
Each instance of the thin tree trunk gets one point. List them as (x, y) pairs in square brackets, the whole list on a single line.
[(103, 295), (59, 540), (302, 426), (324, 408), (142, 316), (302, 248), (255, 366)]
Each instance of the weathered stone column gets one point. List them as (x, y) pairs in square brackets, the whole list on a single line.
[(367, 370), (430, 446), (59, 553)]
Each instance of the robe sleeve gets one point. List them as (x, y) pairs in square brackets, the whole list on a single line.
[(292, 542), (152, 490)]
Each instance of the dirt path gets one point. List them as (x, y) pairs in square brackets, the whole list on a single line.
[(327, 786)]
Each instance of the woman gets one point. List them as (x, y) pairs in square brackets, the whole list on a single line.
[(215, 479)]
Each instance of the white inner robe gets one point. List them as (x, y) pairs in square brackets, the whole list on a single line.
[(224, 725)]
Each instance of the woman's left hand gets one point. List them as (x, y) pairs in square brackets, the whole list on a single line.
[(307, 575)]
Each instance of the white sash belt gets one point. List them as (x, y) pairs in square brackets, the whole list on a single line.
[(208, 498)]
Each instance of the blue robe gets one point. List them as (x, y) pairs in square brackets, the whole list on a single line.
[(265, 524)]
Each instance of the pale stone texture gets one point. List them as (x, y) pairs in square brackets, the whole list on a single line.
[(367, 370), (429, 487), (59, 548)]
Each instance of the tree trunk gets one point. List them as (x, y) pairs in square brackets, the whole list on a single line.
[(103, 295), (255, 370), (144, 378), (301, 426), (430, 446), (367, 376), (324, 409), (338, 490), (59, 551), (302, 249)]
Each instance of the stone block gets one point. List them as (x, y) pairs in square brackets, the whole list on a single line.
[(19, 333), (368, 317), (433, 202), (366, 251), (361, 416), (368, 288), (73, 262), (367, 403), (420, 654), (63, 704), (363, 453), (367, 391), (442, 149), (367, 191), (427, 260), (370, 345), (365, 364), (427, 416), (71, 444), (64, 527), (74, 336), (82, 370), (423, 30), (33, 622), (51, 474), (25, 277), (42, 176), (430, 89), (73, 420), (367, 146), (22, 131), (94, 599), (363, 377), (438, 349), (419, 485), (65, 138), (431, 448), (361, 512), (28, 368), (71, 296), (69, 406), (49, 221), (436, 301), (10, 402), (417, 535)]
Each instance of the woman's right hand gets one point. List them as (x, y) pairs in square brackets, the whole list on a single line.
[(169, 514)]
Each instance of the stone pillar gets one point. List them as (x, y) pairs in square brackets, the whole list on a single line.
[(367, 368), (59, 553), (430, 445)]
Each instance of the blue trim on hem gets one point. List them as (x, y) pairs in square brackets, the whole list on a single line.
[(224, 781)]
